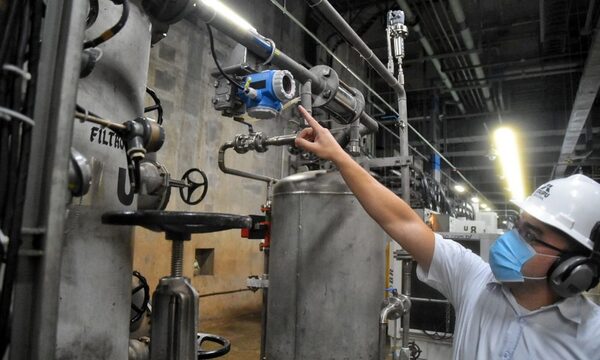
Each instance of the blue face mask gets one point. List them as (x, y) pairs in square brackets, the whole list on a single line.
[(508, 255)]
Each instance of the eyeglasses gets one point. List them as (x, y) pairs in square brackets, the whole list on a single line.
[(524, 229)]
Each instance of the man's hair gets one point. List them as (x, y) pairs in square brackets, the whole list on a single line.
[(574, 246)]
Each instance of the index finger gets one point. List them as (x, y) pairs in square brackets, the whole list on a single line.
[(311, 121)]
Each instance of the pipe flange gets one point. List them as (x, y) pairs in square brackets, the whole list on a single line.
[(259, 142), (331, 83), (360, 104)]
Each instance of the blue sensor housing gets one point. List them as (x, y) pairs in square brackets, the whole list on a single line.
[(265, 92)]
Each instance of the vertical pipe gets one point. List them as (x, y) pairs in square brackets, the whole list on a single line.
[(383, 341), (306, 96), (265, 302), (403, 118), (406, 285)]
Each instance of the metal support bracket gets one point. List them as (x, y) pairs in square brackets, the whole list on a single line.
[(390, 161)]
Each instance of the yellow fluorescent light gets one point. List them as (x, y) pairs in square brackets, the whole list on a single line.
[(222, 9), (505, 143)]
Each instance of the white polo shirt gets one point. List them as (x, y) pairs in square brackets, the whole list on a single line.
[(490, 324)]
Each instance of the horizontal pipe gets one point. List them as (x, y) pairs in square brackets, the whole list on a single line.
[(257, 44), (281, 140), (265, 49)]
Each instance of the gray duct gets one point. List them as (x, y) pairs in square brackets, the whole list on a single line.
[(429, 50), (467, 37), (584, 100)]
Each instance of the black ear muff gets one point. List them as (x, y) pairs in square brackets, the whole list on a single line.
[(572, 274)]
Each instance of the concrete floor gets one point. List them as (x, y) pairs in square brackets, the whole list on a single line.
[(243, 332)]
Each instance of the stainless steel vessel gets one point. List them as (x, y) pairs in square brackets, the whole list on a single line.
[(326, 273)]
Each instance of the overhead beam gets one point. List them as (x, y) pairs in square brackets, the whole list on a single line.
[(584, 100), (485, 138), (531, 165), (529, 150)]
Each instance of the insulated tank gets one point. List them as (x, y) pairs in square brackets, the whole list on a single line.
[(95, 288), (326, 272)]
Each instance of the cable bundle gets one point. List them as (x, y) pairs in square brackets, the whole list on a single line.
[(19, 55)]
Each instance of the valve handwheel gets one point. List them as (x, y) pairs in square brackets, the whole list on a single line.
[(192, 186), (210, 354), (138, 312)]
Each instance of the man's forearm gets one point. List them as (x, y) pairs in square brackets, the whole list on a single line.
[(395, 216)]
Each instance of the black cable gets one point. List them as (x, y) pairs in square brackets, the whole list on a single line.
[(214, 56), (20, 135), (92, 14), (112, 31), (9, 24)]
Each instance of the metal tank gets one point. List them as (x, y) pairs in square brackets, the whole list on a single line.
[(95, 287), (326, 272)]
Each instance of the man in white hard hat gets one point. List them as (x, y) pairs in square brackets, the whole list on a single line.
[(526, 303)]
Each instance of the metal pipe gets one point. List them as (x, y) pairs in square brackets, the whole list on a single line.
[(467, 37), (376, 94), (102, 122), (306, 96), (438, 301), (264, 48), (264, 310), (406, 285), (256, 43), (461, 60), (359, 45), (235, 172), (342, 135), (395, 306), (429, 50), (281, 140), (382, 341), (587, 28)]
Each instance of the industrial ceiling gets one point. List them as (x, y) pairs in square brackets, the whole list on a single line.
[(472, 65)]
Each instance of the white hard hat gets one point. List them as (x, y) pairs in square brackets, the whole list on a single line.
[(571, 205)]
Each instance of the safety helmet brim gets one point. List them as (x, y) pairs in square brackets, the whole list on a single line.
[(542, 215)]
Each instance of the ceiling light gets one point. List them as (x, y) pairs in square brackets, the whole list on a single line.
[(475, 199), (459, 188), (505, 144), (225, 11)]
